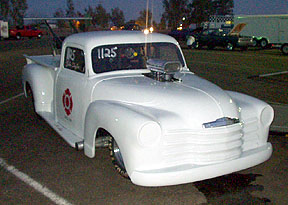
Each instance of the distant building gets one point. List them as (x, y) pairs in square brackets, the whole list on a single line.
[(220, 21)]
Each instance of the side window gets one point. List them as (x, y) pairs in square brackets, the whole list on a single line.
[(74, 59)]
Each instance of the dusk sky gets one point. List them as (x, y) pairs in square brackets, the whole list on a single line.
[(131, 8)]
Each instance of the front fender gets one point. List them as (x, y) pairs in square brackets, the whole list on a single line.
[(256, 116), (41, 82), (121, 120)]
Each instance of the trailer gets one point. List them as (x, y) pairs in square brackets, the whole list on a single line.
[(266, 29), (4, 31)]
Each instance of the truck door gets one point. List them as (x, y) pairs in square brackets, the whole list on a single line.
[(70, 91)]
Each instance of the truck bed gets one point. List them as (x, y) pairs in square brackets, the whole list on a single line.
[(49, 61)]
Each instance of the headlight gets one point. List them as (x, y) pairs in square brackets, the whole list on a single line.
[(149, 134), (267, 115)]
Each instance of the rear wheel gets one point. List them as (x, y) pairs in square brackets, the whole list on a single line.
[(263, 43), (116, 157), (284, 49), (30, 99)]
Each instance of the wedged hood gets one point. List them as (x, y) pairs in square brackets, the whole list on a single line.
[(188, 103), (237, 29)]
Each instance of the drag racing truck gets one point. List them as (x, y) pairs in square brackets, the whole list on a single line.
[(133, 93)]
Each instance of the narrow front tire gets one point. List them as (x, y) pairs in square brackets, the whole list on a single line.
[(116, 158)]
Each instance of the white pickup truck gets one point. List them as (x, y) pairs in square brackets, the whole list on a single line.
[(133, 92)]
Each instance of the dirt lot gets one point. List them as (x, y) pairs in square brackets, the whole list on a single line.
[(35, 149)]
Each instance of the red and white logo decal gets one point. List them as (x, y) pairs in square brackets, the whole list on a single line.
[(67, 101)]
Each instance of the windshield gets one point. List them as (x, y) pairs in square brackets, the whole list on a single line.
[(132, 56)]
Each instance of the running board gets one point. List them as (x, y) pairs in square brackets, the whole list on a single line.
[(66, 134)]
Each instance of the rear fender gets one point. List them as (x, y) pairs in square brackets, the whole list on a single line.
[(41, 82)]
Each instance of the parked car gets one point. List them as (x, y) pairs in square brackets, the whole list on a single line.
[(132, 27), (25, 31), (181, 35), (134, 93), (218, 37)]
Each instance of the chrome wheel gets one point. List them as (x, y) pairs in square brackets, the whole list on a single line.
[(116, 158)]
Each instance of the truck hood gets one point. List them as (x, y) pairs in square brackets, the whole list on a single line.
[(188, 104), (237, 29)]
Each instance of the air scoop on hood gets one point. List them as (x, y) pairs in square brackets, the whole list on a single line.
[(163, 70)]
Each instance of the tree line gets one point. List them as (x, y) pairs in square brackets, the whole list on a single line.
[(14, 10), (100, 17), (175, 12), (193, 11)]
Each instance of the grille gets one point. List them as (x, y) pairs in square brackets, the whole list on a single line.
[(250, 132), (207, 146)]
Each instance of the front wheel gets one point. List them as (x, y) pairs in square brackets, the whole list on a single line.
[(254, 42), (116, 157), (284, 49), (230, 46), (18, 36)]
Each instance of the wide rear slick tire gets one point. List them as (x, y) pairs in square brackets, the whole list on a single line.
[(116, 158)]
